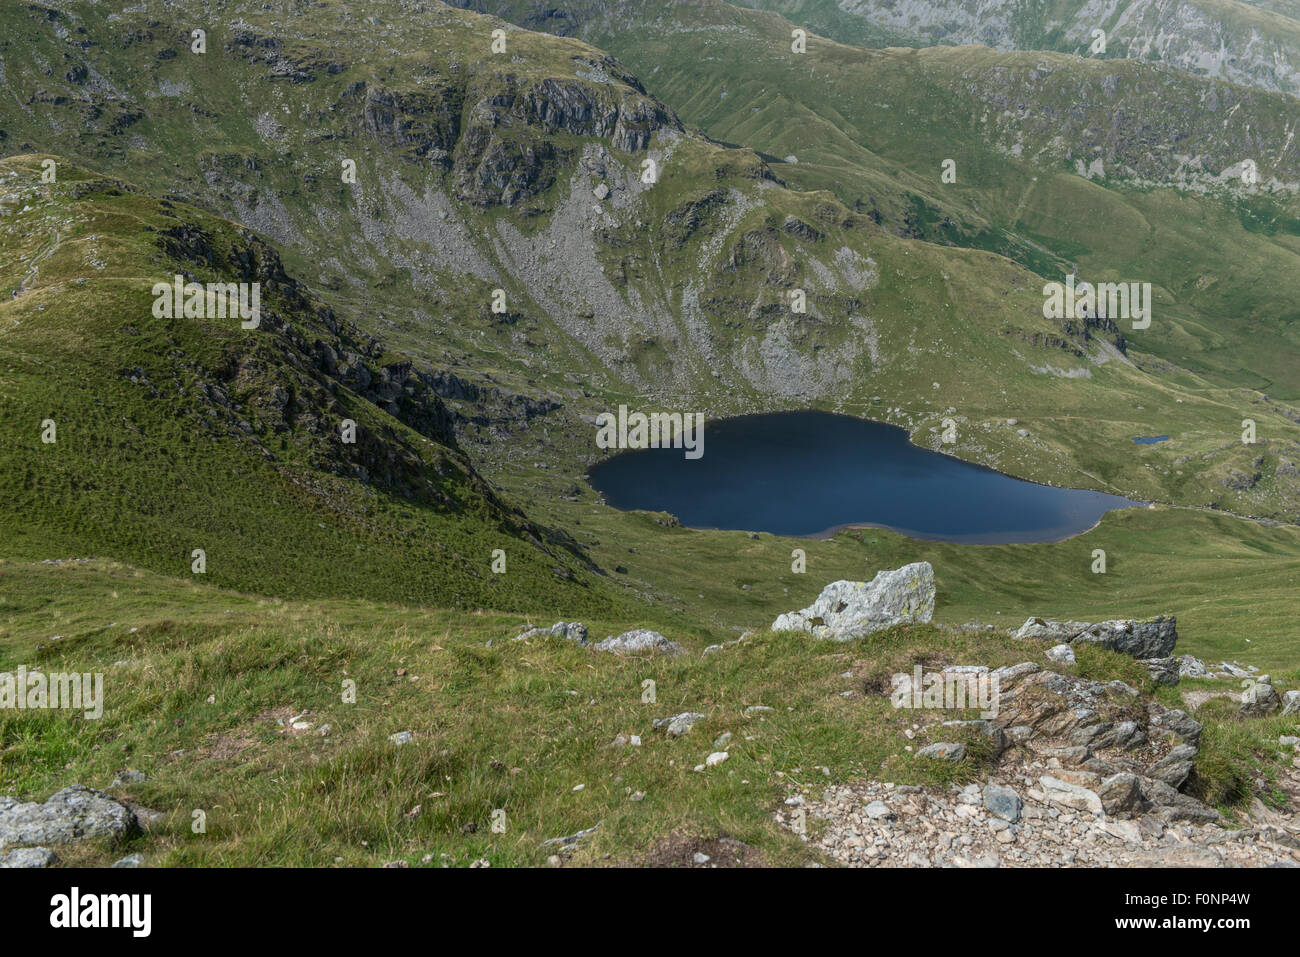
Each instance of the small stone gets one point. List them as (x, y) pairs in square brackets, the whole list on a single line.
[(401, 737), (1070, 795), (878, 811), (1061, 654), (679, 724), (131, 860), (1003, 802), (716, 758), (943, 751), (700, 858)]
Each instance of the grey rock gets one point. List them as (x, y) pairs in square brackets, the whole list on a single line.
[(1163, 671), (943, 751), (1172, 805), (76, 813), (1068, 755), (601, 190), (639, 639), (679, 724), (130, 776), (1260, 698), (1137, 638), (1291, 702), (401, 737), (131, 860), (878, 811), (1070, 795), (1127, 831), (1106, 734), (1002, 802), (29, 857), (1061, 654), (1046, 629), (847, 609), (1009, 674), (574, 631), (1189, 667), (996, 735), (1173, 721), (1121, 794), (1174, 768), (148, 819)]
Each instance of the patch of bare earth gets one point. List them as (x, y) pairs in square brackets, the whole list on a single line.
[(683, 850)]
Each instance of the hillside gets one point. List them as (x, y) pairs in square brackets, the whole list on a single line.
[(1114, 167), (322, 523), (478, 171), (1243, 41), (170, 435), (465, 748)]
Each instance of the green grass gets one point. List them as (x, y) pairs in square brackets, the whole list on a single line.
[(177, 435), (195, 678)]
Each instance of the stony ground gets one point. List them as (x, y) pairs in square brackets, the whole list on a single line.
[(876, 824)]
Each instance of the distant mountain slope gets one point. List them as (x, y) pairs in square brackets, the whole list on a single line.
[(145, 437), (1255, 44), (642, 262)]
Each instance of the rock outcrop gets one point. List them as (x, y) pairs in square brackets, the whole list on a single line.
[(639, 639), (1144, 639), (76, 813), (847, 609)]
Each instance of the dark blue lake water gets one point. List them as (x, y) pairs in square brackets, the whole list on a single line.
[(808, 473)]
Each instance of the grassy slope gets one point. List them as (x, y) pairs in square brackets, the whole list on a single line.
[(513, 726), (150, 470)]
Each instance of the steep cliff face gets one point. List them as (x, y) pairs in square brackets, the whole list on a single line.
[(506, 149)]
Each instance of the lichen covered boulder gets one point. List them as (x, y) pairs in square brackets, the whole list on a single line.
[(846, 609)]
